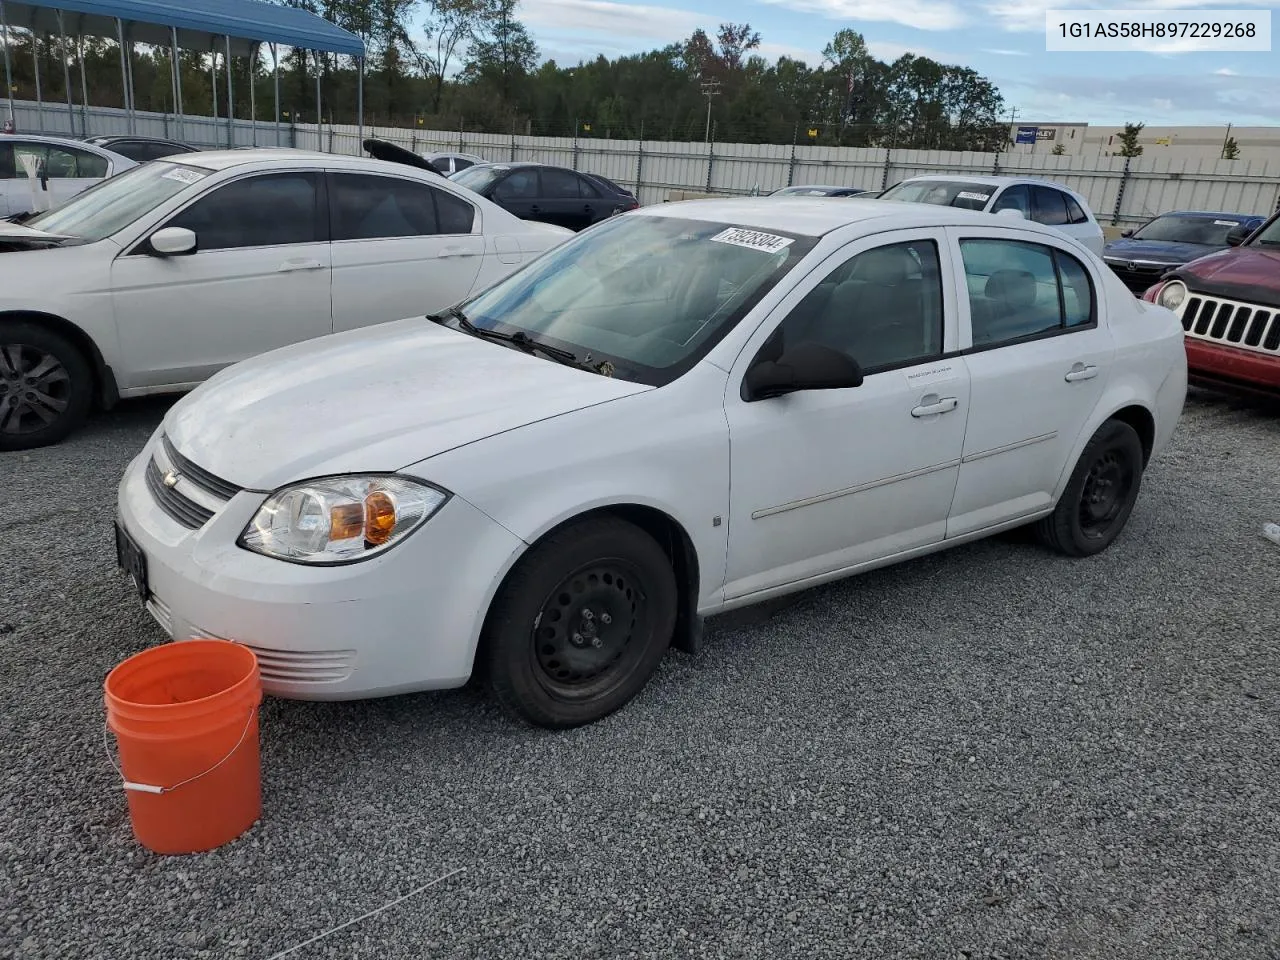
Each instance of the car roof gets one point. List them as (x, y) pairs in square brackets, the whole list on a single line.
[(55, 141), (816, 186), (1213, 213), (115, 137), (812, 216)]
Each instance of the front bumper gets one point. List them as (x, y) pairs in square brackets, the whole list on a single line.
[(1210, 364), (403, 621)]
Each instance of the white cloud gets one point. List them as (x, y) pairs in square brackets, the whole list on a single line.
[(1028, 16), (622, 20), (1005, 53), (1226, 72), (889, 51), (920, 14)]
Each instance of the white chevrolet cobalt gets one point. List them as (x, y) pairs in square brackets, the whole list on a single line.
[(686, 409), (154, 280)]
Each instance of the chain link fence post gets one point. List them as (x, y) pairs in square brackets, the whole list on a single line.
[(1124, 178)]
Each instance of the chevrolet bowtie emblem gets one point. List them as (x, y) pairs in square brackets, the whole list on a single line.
[(171, 479)]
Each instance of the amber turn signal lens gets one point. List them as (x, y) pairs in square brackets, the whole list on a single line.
[(346, 520), (379, 518)]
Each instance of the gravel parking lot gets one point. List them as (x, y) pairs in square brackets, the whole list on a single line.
[(992, 752)]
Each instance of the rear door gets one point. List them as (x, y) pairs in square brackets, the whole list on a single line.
[(517, 193), (560, 198), (1039, 355), (401, 248), (259, 280)]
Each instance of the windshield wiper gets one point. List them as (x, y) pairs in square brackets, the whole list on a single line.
[(518, 339)]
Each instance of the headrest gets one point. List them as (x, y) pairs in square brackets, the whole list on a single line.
[(1017, 288), (887, 265)]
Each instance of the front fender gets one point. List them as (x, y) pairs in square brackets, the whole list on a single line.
[(665, 449)]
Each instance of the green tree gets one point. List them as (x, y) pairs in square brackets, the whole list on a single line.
[(451, 23), (1058, 150), (1129, 145), (1230, 149), (502, 51)]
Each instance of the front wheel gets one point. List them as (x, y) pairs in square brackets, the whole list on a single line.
[(46, 386), (1100, 495), (581, 623)]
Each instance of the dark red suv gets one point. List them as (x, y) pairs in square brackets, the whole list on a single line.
[(1229, 304)]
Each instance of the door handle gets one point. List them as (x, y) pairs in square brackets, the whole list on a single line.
[(535, 209), (945, 405), (1081, 371), (454, 251), (588, 209), (289, 266)]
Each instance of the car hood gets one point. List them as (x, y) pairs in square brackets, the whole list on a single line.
[(1251, 274), (371, 400), (1157, 251)]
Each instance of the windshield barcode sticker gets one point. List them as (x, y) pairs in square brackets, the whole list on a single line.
[(184, 176), (969, 195), (753, 240), (1224, 223)]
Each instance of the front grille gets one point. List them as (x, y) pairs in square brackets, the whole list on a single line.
[(294, 666), (185, 511), (193, 494), (1230, 322), (1139, 277), (198, 475)]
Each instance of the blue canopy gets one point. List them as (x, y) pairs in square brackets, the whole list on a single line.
[(200, 23)]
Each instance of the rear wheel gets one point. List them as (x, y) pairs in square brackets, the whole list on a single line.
[(581, 624), (1100, 495), (46, 386)]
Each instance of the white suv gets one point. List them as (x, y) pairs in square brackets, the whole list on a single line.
[(1040, 200)]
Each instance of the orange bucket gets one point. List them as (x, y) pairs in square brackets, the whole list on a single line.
[(185, 716)]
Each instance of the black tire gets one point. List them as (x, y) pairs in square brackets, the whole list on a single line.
[(599, 579), (39, 410), (1100, 495)]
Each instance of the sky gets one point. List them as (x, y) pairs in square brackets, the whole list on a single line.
[(1004, 40)]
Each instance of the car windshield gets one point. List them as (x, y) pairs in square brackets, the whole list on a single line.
[(113, 204), (1208, 230), (648, 294), (944, 193), (1270, 235), (478, 177)]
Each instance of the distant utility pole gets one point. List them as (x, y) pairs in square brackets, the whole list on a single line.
[(1013, 131), (710, 90)]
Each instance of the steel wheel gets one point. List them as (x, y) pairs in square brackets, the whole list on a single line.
[(1106, 490), (582, 636), (35, 388)]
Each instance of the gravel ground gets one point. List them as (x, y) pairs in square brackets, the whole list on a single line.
[(988, 753)]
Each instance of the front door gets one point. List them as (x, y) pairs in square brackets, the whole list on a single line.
[(517, 193), (401, 248), (259, 280), (825, 480), (1038, 359)]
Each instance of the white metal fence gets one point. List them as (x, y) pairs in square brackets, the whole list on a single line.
[(1119, 190)]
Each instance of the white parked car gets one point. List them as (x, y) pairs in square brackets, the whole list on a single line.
[(683, 410), (1038, 200), (449, 163), (39, 173), (156, 279)]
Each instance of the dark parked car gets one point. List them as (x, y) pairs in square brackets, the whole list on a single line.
[(817, 190), (1143, 256), (141, 149), (536, 191)]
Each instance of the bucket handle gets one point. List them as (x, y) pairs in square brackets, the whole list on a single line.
[(152, 788)]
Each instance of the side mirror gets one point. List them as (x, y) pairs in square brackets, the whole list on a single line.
[(1126, 233), (1011, 212), (1238, 235), (173, 242), (806, 366)]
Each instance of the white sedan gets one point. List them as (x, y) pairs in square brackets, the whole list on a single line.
[(38, 173), (156, 279), (683, 410), (1040, 201)]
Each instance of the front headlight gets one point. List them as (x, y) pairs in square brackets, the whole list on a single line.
[(340, 519), (1172, 295)]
